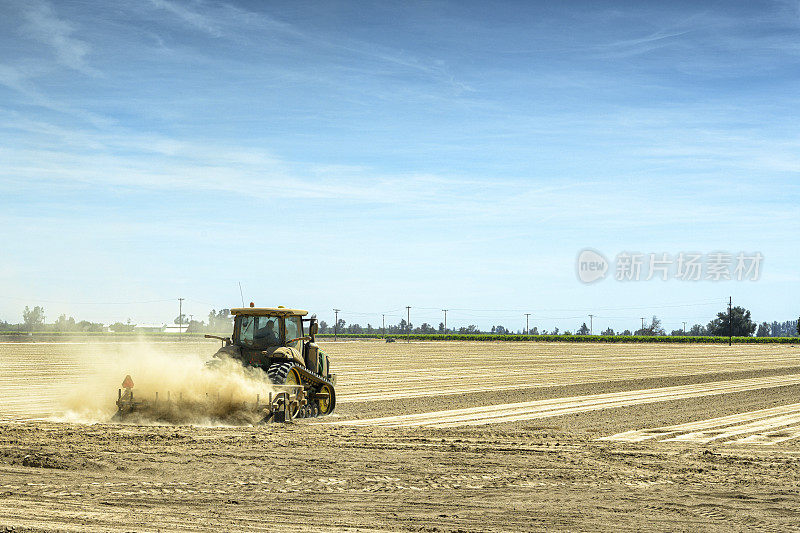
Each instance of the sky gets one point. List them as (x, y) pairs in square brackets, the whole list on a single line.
[(369, 156)]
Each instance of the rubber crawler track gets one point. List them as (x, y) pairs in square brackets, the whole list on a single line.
[(312, 382)]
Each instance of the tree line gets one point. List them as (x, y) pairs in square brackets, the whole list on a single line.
[(34, 319), (738, 323)]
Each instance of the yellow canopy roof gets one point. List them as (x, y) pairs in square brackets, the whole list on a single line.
[(268, 311)]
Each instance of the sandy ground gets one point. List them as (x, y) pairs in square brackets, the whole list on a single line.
[(513, 437)]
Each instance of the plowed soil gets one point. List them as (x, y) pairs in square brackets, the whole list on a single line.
[(426, 437)]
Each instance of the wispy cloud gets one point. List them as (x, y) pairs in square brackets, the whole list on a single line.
[(255, 28), (190, 16), (44, 25), (21, 81)]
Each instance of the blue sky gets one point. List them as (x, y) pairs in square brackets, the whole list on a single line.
[(369, 156)]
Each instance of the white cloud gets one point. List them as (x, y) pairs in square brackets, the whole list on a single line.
[(20, 81), (191, 17), (44, 25)]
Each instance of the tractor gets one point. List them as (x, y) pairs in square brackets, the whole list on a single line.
[(280, 342)]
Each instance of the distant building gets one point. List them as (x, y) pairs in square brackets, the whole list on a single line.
[(148, 328), (175, 328)]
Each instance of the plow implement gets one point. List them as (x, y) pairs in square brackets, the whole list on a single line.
[(283, 403)]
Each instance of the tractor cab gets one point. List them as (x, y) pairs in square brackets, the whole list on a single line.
[(264, 335), (264, 328)]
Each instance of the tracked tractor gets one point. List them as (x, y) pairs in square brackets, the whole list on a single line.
[(280, 342)]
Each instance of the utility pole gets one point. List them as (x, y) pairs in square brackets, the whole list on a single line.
[(591, 324), (642, 325), (336, 325), (684, 329), (190, 321), (383, 318), (730, 320), (445, 320), (527, 328), (180, 317), (408, 324)]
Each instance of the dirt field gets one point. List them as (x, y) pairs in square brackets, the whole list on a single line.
[(443, 436)]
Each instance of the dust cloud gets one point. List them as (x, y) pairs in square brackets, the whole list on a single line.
[(220, 392)]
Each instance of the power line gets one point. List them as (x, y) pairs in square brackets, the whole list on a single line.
[(665, 306), (336, 325), (180, 317), (38, 300), (408, 324)]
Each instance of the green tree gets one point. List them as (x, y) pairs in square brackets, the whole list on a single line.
[(583, 330), (736, 323), (426, 328), (764, 330), (698, 330), (654, 328), (220, 321), (65, 324), (33, 318), (196, 326), (85, 325), (798, 326), (119, 327)]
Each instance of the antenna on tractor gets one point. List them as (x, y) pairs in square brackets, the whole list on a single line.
[(241, 293)]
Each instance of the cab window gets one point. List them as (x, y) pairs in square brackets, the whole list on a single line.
[(268, 331), (260, 331), (246, 329), (293, 328)]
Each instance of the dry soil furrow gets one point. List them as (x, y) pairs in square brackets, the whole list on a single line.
[(559, 406), (639, 435), (767, 438)]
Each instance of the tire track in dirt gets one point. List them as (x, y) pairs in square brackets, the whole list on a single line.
[(639, 435), (494, 414), (764, 426)]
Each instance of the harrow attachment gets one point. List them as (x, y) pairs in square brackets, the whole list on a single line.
[(283, 404)]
